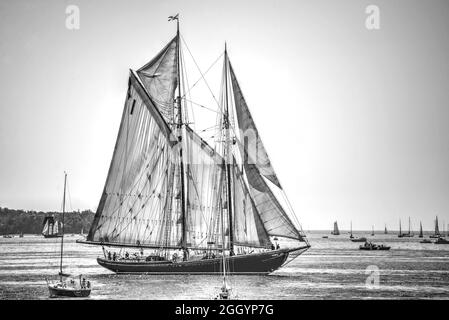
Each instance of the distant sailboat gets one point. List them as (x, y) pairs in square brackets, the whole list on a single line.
[(372, 233), (335, 232), (420, 230), (437, 230), (351, 236), (51, 228), (405, 235), (385, 232), (353, 239), (400, 234)]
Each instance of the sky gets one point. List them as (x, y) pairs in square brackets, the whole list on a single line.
[(356, 121)]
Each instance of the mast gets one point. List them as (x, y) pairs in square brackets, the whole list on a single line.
[(228, 157), (179, 132), (62, 238), (400, 231), (409, 226), (351, 229), (223, 240)]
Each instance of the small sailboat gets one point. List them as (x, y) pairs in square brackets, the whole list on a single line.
[(351, 236), (335, 232), (66, 287), (372, 232), (437, 231), (405, 235), (420, 230), (385, 232)]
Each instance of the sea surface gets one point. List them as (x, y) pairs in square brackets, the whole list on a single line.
[(333, 268)]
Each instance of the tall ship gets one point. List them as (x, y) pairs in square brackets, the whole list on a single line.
[(169, 190), (51, 227), (335, 232)]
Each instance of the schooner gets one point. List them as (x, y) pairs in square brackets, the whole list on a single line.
[(168, 192)]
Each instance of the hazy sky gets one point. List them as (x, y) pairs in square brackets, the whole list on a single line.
[(356, 121)]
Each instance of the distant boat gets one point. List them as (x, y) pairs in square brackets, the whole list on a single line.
[(336, 232), (425, 241), (437, 231), (7, 236), (21, 235), (385, 232), (372, 233), (420, 230), (362, 239), (372, 246), (325, 237), (441, 241), (65, 287), (405, 235), (351, 236), (51, 228)]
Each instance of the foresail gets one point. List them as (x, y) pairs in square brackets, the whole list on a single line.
[(137, 206), (159, 77), (204, 174), (274, 218), (249, 229), (254, 149)]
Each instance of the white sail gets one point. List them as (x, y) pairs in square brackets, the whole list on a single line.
[(204, 172), (159, 77), (249, 229), (46, 228), (132, 209), (254, 150)]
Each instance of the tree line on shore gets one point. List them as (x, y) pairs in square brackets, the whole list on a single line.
[(16, 221)]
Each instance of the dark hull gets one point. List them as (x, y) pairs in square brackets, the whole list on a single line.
[(52, 235), (358, 240), (61, 292), (259, 263)]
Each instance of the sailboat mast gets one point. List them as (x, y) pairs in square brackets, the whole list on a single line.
[(223, 241), (179, 131), (408, 225), (63, 213), (228, 157)]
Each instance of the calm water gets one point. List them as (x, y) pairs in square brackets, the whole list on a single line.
[(333, 268)]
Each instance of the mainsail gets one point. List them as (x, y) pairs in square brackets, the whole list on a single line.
[(142, 179), (166, 187)]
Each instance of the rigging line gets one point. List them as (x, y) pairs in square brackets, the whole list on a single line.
[(202, 106), (202, 75), (183, 65), (208, 69), (209, 128)]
